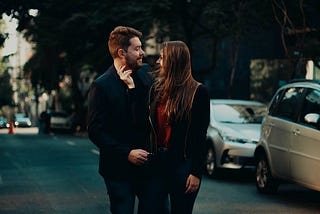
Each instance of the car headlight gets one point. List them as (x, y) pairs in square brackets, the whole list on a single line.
[(237, 140)]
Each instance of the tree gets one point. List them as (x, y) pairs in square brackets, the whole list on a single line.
[(298, 30), (5, 89), (215, 21), (70, 35)]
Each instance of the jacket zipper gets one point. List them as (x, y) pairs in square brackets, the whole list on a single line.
[(153, 143)]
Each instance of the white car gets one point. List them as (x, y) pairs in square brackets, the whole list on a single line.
[(61, 121), (289, 147), (233, 133)]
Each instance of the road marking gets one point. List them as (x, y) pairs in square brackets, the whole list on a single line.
[(94, 151), (71, 143)]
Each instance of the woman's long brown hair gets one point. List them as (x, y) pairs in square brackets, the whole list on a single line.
[(175, 85)]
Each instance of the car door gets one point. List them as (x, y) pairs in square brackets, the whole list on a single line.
[(281, 120), (305, 146)]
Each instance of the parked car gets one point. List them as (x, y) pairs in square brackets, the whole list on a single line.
[(4, 122), (61, 121), (22, 120), (233, 133), (289, 147)]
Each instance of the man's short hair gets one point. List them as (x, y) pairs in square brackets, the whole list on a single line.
[(120, 37)]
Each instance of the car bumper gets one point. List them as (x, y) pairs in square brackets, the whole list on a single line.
[(23, 125), (236, 156)]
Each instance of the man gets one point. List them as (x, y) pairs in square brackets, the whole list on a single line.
[(117, 118)]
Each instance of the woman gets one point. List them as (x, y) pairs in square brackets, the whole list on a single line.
[(179, 116)]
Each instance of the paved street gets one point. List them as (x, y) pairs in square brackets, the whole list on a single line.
[(57, 174)]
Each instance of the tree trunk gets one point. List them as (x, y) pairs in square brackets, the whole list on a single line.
[(234, 60)]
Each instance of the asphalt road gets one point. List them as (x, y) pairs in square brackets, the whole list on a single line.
[(58, 174)]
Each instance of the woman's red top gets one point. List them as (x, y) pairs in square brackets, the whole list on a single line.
[(163, 128)]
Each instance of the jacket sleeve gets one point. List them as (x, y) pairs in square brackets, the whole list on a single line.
[(198, 130), (98, 131)]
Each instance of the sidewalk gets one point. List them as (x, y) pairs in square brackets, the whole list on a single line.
[(18, 130), (35, 130)]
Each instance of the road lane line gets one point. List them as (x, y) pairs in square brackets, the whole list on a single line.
[(94, 151), (71, 143)]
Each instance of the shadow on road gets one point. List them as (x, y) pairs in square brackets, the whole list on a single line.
[(236, 175)]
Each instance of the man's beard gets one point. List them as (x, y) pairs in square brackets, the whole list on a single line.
[(134, 65)]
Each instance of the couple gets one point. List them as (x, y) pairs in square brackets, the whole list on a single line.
[(150, 129)]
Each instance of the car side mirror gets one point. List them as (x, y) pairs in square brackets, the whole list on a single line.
[(312, 118)]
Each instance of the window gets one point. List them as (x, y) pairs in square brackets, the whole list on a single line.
[(288, 104), (275, 102), (311, 105), (237, 113)]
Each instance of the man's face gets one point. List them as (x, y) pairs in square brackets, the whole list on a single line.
[(134, 54)]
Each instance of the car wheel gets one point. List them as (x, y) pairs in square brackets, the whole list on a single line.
[(265, 183), (211, 166)]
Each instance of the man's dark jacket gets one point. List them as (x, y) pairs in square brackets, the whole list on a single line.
[(118, 120)]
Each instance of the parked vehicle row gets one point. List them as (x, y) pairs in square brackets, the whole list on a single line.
[(51, 121), (281, 141), (19, 120)]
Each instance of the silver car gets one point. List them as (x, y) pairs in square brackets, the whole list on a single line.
[(4, 122), (289, 147), (22, 120), (233, 133)]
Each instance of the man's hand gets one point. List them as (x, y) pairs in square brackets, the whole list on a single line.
[(125, 76), (138, 156), (193, 184)]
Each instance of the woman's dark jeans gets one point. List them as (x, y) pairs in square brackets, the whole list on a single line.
[(169, 177), (121, 195)]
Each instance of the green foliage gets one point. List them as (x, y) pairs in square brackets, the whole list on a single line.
[(6, 91), (265, 77), (71, 34)]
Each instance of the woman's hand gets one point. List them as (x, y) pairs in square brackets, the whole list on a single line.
[(193, 184), (125, 76)]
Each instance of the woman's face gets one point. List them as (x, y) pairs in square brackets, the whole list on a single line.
[(160, 60)]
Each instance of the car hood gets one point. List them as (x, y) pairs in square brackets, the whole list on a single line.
[(246, 131)]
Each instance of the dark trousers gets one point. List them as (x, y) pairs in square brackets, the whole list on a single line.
[(143, 185), (152, 197), (181, 202), (121, 196), (170, 179)]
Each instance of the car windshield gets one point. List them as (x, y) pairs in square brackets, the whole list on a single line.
[(235, 113), (20, 115)]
